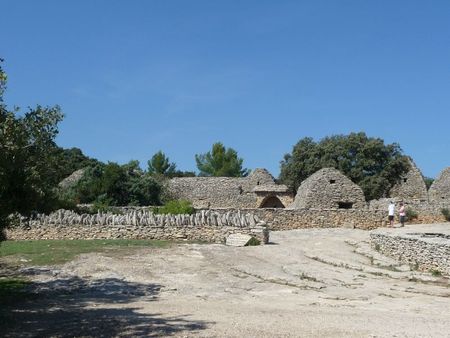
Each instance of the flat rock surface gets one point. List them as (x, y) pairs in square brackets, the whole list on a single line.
[(238, 239), (307, 283)]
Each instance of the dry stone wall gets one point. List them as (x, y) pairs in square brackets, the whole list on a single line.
[(226, 192), (426, 252), (329, 189), (411, 186), (205, 225), (440, 189), (288, 219), (427, 212)]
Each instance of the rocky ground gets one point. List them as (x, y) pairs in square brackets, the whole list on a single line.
[(306, 283)]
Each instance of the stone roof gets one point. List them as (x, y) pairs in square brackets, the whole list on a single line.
[(73, 179), (271, 188), (440, 189), (411, 185), (328, 188)]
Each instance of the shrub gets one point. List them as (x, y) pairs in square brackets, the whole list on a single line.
[(411, 214), (175, 208), (253, 242), (436, 273), (446, 214)]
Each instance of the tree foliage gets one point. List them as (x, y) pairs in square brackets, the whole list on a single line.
[(428, 182), (116, 185), (220, 161), (160, 164), (27, 167), (367, 161), (69, 160)]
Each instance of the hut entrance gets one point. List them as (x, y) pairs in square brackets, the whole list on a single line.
[(271, 202)]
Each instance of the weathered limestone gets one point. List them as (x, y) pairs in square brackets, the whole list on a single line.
[(328, 188), (411, 186), (229, 192), (238, 240), (440, 189), (426, 249)]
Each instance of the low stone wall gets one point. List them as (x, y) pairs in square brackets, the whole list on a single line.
[(427, 212), (287, 219), (202, 226), (424, 251)]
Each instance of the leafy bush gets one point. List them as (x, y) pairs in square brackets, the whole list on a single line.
[(411, 214), (253, 242), (116, 185), (176, 207), (446, 214), (436, 273)]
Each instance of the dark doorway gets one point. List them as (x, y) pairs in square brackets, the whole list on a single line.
[(271, 202)]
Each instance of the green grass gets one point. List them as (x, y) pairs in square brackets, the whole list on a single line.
[(50, 252), (13, 290)]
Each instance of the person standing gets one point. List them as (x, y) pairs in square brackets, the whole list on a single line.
[(391, 213), (402, 213)]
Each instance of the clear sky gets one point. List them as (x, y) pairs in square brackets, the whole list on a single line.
[(134, 77)]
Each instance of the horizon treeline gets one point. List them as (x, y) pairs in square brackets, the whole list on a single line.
[(32, 165)]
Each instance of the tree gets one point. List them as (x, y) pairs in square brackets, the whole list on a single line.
[(160, 165), (70, 160), (27, 179), (116, 185), (367, 161), (220, 161), (428, 182)]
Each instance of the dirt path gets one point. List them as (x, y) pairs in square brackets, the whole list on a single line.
[(308, 283)]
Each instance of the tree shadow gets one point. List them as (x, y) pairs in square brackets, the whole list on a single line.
[(76, 307)]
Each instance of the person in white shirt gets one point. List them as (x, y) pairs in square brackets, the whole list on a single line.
[(391, 213)]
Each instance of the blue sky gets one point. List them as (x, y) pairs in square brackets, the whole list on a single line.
[(134, 77)]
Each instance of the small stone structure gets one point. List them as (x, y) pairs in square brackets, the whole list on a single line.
[(328, 188), (411, 186), (256, 190), (73, 179), (426, 248), (205, 225), (440, 189)]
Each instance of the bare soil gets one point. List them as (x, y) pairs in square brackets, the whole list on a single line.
[(306, 283)]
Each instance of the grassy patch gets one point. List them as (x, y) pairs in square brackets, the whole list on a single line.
[(49, 252), (436, 273), (13, 290)]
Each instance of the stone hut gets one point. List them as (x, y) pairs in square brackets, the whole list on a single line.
[(258, 190), (328, 188), (72, 180), (411, 186), (440, 189)]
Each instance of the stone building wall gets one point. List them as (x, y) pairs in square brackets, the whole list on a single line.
[(329, 189), (227, 192), (203, 226), (411, 186), (426, 252), (440, 189)]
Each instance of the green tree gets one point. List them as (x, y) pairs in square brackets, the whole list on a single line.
[(428, 182), (367, 161), (160, 165), (27, 179), (220, 161), (70, 160), (116, 185)]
